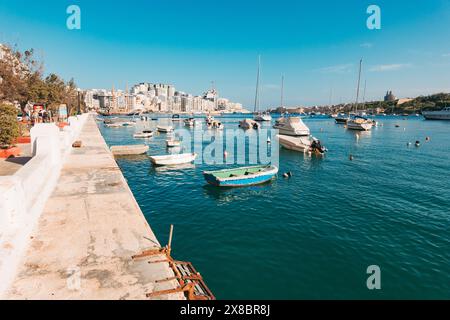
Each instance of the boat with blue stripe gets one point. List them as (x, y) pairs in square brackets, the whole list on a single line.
[(242, 176)]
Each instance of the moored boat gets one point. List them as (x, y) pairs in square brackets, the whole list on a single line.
[(249, 124), (143, 134), (176, 117), (301, 144), (164, 129), (173, 143), (173, 159), (263, 117), (359, 123), (291, 126), (443, 114), (189, 122), (341, 119), (241, 177)]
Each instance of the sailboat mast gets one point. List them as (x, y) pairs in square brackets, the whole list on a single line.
[(359, 83), (282, 91), (364, 94), (257, 85)]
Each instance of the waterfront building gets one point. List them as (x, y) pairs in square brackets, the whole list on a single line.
[(389, 97)]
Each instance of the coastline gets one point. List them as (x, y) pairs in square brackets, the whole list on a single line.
[(90, 227)]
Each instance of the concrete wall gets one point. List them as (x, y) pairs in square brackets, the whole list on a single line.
[(24, 194)]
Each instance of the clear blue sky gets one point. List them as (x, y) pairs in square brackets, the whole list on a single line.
[(189, 43)]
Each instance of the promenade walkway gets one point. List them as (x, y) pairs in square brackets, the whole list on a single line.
[(90, 228)]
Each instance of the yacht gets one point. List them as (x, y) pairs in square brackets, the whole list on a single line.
[(291, 126), (263, 117), (358, 122), (342, 119), (259, 116), (443, 114), (249, 124)]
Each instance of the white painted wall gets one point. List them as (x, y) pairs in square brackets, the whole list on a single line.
[(24, 194)]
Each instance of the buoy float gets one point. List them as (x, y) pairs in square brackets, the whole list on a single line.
[(268, 140), (408, 144), (417, 143), (427, 139), (351, 158), (287, 174)]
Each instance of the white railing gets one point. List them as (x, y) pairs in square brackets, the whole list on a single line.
[(24, 194)]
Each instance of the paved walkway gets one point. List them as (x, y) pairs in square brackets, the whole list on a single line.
[(90, 228)]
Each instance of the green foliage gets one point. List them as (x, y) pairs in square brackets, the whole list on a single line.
[(9, 127), (26, 84)]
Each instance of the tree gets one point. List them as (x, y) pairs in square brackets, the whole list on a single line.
[(9, 127)]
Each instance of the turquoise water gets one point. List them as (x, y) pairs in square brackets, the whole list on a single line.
[(314, 235)]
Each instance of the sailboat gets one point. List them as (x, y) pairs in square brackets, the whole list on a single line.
[(358, 122), (260, 116)]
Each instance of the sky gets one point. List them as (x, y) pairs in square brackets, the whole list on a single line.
[(315, 45)]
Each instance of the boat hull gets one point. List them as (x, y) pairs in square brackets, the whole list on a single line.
[(436, 115), (290, 132), (241, 181), (341, 121), (359, 126), (173, 160)]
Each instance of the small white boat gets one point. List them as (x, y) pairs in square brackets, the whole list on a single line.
[(209, 119), (291, 126), (173, 143), (249, 124), (174, 159), (164, 129), (217, 125), (263, 117), (360, 124), (143, 134), (301, 144), (176, 117), (113, 125), (189, 122)]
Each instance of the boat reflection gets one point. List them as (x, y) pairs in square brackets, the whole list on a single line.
[(230, 194), (170, 169)]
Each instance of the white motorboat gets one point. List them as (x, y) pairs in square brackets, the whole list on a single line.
[(173, 143), (247, 124), (176, 117), (164, 129), (443, 114), (189, 122), (342, 119), (173, 159), (217, 125), (291, 126), (209, 120), (263, 117), (143, 134), (359, 123), (301, 144)]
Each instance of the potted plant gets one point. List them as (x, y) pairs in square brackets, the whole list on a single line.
[(9, 131)]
